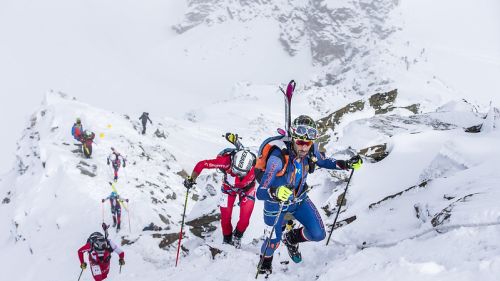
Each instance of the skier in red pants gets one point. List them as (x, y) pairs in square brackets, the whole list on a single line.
[(237, 166), (99, 250)]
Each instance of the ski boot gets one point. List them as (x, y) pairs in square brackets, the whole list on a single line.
[(228, 239), (266, 267), (237, 239), (288, 240), (118, 228), (114, 222)]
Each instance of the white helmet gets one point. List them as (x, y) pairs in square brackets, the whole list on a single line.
[(242, 162)]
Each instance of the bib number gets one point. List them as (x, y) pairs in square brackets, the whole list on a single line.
[(96, 270), (223, 200)]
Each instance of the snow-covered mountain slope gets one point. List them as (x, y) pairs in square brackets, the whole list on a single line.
[(167, 57), (435, 191)]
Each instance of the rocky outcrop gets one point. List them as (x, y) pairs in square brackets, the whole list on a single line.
[(376, 152), (202, 226), (445, 214), (421, 185), (341, 37)]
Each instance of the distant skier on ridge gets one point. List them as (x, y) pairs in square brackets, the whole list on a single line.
[(116, 159), (116, 210), (77, 129), (144, 119)]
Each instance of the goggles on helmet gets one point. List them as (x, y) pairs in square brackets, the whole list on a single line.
[(304, 132), (100, 244)]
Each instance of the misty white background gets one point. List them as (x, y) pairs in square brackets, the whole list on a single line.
[(124, 56)]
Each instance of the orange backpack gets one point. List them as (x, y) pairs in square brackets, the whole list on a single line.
[(277, 142)]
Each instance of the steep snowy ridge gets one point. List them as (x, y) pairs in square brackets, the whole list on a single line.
[(54, 194)]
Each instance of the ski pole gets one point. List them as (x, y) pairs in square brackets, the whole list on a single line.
[(269, 238), (102, 208), (120, 272), (79, 276), (338, 211), (128, 216), (182, 226)]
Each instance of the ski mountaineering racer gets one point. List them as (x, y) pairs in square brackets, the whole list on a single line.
[(116, 210), (116, 159), (285, 165), (237, 165), (99, 249)]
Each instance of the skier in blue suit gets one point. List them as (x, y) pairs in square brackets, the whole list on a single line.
[(284, 180)]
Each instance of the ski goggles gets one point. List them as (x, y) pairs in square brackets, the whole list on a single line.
[(303, 142), (304, 132)]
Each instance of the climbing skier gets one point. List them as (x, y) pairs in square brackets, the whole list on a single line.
[(77, 129), (115, 202), (116, 159), (144, 119), (237, 165), (285, 164), (87, 139), (99, 249)]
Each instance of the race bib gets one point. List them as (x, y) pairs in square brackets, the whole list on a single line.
[(96, 270), (223, 200)]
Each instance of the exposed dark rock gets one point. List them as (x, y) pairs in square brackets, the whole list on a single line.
[(382, 102), (415, 108), (6, 200), (164, 219), (126, 241), (214, 251), (376, 153), (152, 227), (341, 200), (21, 167), (474, 129), (334, 119), (195, 197), (166, 239), (448, 197), (444, 216), (86, 169), (202, 226), (342, 223), (421, 185), (172, 196), (421, 212)]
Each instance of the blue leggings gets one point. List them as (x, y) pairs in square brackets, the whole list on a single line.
[(305, 212)]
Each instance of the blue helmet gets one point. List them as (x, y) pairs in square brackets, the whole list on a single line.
[(113, 194)]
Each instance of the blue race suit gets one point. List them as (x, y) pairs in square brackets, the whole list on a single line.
[(300, 206)]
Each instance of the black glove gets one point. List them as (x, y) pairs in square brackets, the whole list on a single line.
[(342, 164), (103, 200), (124, 164), (355, 162), (121, 262), (189, 182), (108, 161)]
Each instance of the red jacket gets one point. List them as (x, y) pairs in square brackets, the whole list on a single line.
[(232, 183), (95, 258)]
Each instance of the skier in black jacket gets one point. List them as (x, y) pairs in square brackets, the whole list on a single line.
[(144, 118)]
